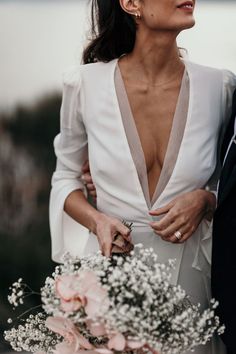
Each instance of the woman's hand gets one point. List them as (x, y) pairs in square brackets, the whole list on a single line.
[(183, 215), (113, 236), (87, 179), (106, 229)]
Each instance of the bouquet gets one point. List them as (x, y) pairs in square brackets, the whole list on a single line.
[(122, 304)]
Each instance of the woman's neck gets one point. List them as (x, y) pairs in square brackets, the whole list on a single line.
[(154, 58)]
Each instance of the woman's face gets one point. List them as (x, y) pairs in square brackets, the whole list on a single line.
[(170, 15)]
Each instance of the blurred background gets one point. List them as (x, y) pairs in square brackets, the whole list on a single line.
[(39, 39)]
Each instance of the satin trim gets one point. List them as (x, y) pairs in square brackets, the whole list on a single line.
[(175, 138)]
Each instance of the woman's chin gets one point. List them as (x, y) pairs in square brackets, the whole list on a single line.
[(187, 24)]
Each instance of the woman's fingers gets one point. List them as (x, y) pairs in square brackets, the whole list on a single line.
[(124, 231), (183, 230), (111, 230), (170, 230), (183, 215), (105, 243), (185, 237), (163, 210), (180, 236), (164, 223), (107, 249)]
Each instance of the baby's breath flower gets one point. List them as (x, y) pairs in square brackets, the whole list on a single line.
[(143, 306), (33, 336)]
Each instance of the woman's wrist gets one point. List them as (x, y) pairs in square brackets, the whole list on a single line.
[(94, 217)]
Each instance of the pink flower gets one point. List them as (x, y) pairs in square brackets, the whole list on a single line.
[(153, 351), (132, 344), (87, 279), (65, 348), (93, 292), (96, 298), (117, 342), (104, 351), (73, 339), (96, 328), (80, 290), (66, 290)]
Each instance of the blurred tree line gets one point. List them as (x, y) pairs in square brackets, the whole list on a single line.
[(27, 162)]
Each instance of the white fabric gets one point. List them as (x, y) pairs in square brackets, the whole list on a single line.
[(91, 121)]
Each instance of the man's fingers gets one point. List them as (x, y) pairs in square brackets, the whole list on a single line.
[(90, 187), (86, 177), (85, 167)]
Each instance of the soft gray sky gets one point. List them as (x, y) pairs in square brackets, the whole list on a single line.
[(40, 39)]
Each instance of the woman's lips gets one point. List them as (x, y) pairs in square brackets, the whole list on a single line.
[(187, 6)]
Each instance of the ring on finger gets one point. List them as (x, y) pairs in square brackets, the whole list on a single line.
[(178, 234)]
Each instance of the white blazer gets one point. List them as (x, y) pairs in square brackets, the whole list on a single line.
[(91, 125)]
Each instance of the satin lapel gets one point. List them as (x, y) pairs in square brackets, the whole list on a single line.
[(145, 189), (185, 132), (228, 187), (229, 130), (124, 137)]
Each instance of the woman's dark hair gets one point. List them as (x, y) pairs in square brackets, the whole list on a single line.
[(113, 32)]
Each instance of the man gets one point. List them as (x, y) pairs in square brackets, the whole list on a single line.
[(224, 237)]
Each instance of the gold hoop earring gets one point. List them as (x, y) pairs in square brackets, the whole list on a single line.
[(137, 15)]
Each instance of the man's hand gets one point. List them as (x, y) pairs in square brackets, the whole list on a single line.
[(87, 179)]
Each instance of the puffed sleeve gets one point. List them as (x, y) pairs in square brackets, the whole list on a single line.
[(71, 152)]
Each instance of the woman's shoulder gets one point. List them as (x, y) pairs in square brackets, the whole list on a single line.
[(215, 82), (73, 75), (224, 75)]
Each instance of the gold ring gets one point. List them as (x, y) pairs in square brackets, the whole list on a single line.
[(178, 235)]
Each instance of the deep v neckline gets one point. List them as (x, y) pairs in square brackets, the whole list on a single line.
[(133, 140)]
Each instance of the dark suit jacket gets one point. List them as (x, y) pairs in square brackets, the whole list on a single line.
[(224, 240)]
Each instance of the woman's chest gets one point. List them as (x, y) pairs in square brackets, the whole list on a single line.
[(111, 158), (112, 163), (153, 110)]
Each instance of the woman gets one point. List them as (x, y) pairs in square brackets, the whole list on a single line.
[(149, 123)]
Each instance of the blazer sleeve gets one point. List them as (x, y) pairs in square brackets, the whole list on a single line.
[(228, 88), (71, 151)]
